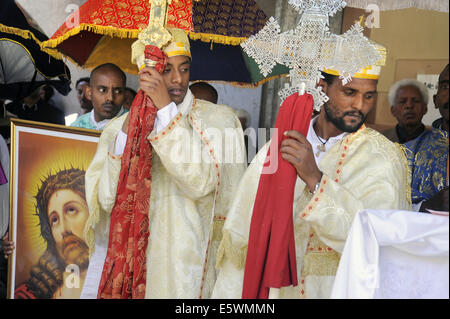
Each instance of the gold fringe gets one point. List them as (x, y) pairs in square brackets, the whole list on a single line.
[(236, 255), (320, 264), (26, 34), (59, 56), (29, 54), (50, 45), (29, 35), (133, 34), (265, 80), (216, 38), (99, 29), (404, 150), (244, 85)]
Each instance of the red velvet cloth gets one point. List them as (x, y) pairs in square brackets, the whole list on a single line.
[(271, 247), (124, 272)]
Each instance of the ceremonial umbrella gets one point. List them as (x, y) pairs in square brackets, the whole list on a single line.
[(23, 65), (220, 26), (103, 31)]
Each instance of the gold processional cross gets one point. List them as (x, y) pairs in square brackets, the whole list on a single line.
[(311, 48), (154, 34)]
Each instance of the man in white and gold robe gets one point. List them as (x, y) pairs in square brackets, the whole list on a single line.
[(342, 167), (198, 160)]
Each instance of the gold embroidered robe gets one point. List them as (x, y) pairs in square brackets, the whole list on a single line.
[(189, 199), (363, 170)]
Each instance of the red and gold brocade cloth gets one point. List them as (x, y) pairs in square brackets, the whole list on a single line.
[(103, 31), (125, 18), (271, 261), (126, 15), (125, 271)]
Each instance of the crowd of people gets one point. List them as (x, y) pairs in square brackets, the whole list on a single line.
[(156, 227)]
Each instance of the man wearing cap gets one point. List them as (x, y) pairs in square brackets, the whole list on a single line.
[(191, 184), (342, 167)]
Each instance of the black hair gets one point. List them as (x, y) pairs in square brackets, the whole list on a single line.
[(443, 72), (131, 90), (111, 66), (85, 79), (206, 86), (329, 78), (48, 92)]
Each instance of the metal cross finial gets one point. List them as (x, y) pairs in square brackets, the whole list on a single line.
[(154, 34), (311, 47)]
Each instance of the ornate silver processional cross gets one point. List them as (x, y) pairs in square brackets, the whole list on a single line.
[(310, 48)]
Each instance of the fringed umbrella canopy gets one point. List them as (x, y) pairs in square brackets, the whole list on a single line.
[(220, 26), (23, 65), (103, 31)]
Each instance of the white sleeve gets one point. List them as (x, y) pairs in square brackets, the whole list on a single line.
[(121, 141), (164, 116)]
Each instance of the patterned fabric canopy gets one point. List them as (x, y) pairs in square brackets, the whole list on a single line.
[(106, 29), (226, 21), (120, 18), (102, 31)]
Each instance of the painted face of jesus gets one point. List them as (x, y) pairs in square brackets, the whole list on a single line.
[(67, 214)]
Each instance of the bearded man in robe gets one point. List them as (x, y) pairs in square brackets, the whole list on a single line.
[(342, 167)]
